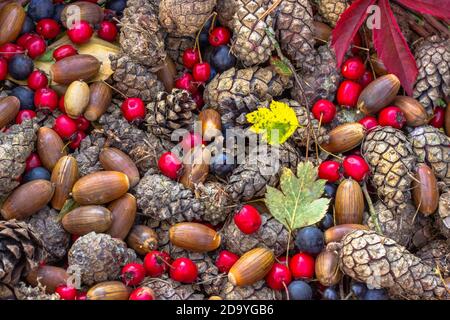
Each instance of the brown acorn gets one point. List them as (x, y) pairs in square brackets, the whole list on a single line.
[(76, 98), (123, 212), (194, 237), (425, 190), (327, 268), (48, 276), (84, 10), (336, 233), (100, 187), (378, 94), (167, 73), (195, 167), (414, 111), (78, 67), (109, 290), (9, 108), (344, 137), (113, 159), (50, 147), (27, 199), (251, 267), (85, 219), (447, 120), (64, 176), (322, 31), (211, 124), (378, 65), (100, 95), (12, 17), (349, 203), (142, 239)]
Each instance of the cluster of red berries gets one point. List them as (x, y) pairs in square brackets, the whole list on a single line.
[(353, 166)]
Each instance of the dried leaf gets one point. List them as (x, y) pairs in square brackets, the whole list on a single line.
[(437, 8), (47, 56), (68, 206)]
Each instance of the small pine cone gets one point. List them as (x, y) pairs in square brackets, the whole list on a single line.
[(331, 10), (217, 204), (134, 79), (437, 253), (55, 239), (257, 291), (15, 147), (175, 47), (380, 262), (391, 159), (433, 147), (88, 152), (185, 17), (169, 112), (443, 216), (98, 257), (24, 292), (433, 81), (21, 251), (168, 289), (225, 11)]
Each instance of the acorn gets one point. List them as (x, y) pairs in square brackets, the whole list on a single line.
[(425, 190), (100, 95), (349, 203), (378, 65), (123, 212), (447, 120), (344, 137), (84, 10), (100, 187), (49, 277), (50, 147), (9, 108), (327, 268), (378, 94), (109, 290), (63, 176), (115, 160), (211, 124), (76, 98), (12, 17), (215, 298), (194, 237), (27, 199), (195, 167), (78, 67), (336, 233), (322, 31), (142, 239), (251, 267), (85, 219), (414, 111), (167, 73)]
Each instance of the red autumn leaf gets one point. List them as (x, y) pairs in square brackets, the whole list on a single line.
[(393, 49), (438, 8), (347, 27)]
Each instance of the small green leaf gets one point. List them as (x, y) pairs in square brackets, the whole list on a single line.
[(47, 56), (280, 67), (440, 102), (68, 206)]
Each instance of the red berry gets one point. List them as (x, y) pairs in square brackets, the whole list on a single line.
[(133, 109), (329, 170), (25, 115), (80, 32), (186, 82), (82, 123), (48, 28), (156, 263), (9, 50), (353, 68), (201, 72), (170, 165), (64, 51), (324, 110), (107, 31), (37, 80), (278, 277), (219, 36), (190, 57), (366, 79), (35, 47), (32, 162), (81, 296), (76, 140), (23, 39), (142, 293), (369, 122), (355, 167), (438, 117), (184, 270), (348, 93), (61, 106), (65, 126), (392, 116), (191, 140), (3, 68), (66, 293), (248, 219), (198, 99), (225, 260), (302, 266), (133, 273), (46, 98)]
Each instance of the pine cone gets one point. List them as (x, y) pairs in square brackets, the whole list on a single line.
[(98, 257), (216, 203), (87, 154), (167, 289), (175, 47), (391, 159), (225, 11), (184, 17), (437, 253), (15, 147), (382, 263), (433, 61), (443, 216), (20, 251), (24, 292), (433, 147), (257, 291), (331, 10)]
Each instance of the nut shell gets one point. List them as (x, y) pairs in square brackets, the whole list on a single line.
[(109, 290), (78, 67), (414, 111), (327, 268), (425, 190), (142, 239), (50, 147), (85, 219), (9, 108), (322, 31), (63, 176), (12, 17), (100, 95), (113, 159), (211, 124), (344, 137), (195, 167), (251, 267), (349, 203), (123, 212), (194, 237), (378, 94), (87, 11), (336, 233), (48, 276), (76, 99)]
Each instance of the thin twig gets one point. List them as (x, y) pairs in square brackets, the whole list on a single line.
[(270, 10), (373, 214)]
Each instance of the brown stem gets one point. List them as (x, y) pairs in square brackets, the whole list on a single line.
[(373, 214)]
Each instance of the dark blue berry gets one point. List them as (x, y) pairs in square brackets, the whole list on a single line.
[(310, 240), (28, 25), (40, 9), (36, 174), (222, 164), (330, 294), (300, 290), (207, 54), (222, 59), (116, 5), (213, 74), (58, 10), (376, 294), (20, 66), (203, 40), (326, 222), (330, 190), (25, 96), (358, 289)]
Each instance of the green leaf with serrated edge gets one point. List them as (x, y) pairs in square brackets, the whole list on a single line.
[(299, 203), (47, 56), (280, 67), (68, 206)]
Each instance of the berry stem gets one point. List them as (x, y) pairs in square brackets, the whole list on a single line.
[(197, 37), (116, 90)]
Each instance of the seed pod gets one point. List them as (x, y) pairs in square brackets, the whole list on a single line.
[(195, 167), (327, 268), (378, 94), (425, 190), (100, 187), (322, 31), (64, 176), (50, 147), (167, 73), (27, 199), (349, 203), (123, 212), (378, 65), (414, 111), (9, 108), (12, 17), (194, 237), (344, 137), (100, 95), (49, 276), (109, 290), (113, 159), (76, 99), (447, 120), (142, 239), (87, 11), (336, 233), (211, 124), (251, 267), (78, 67), (85, 219)]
